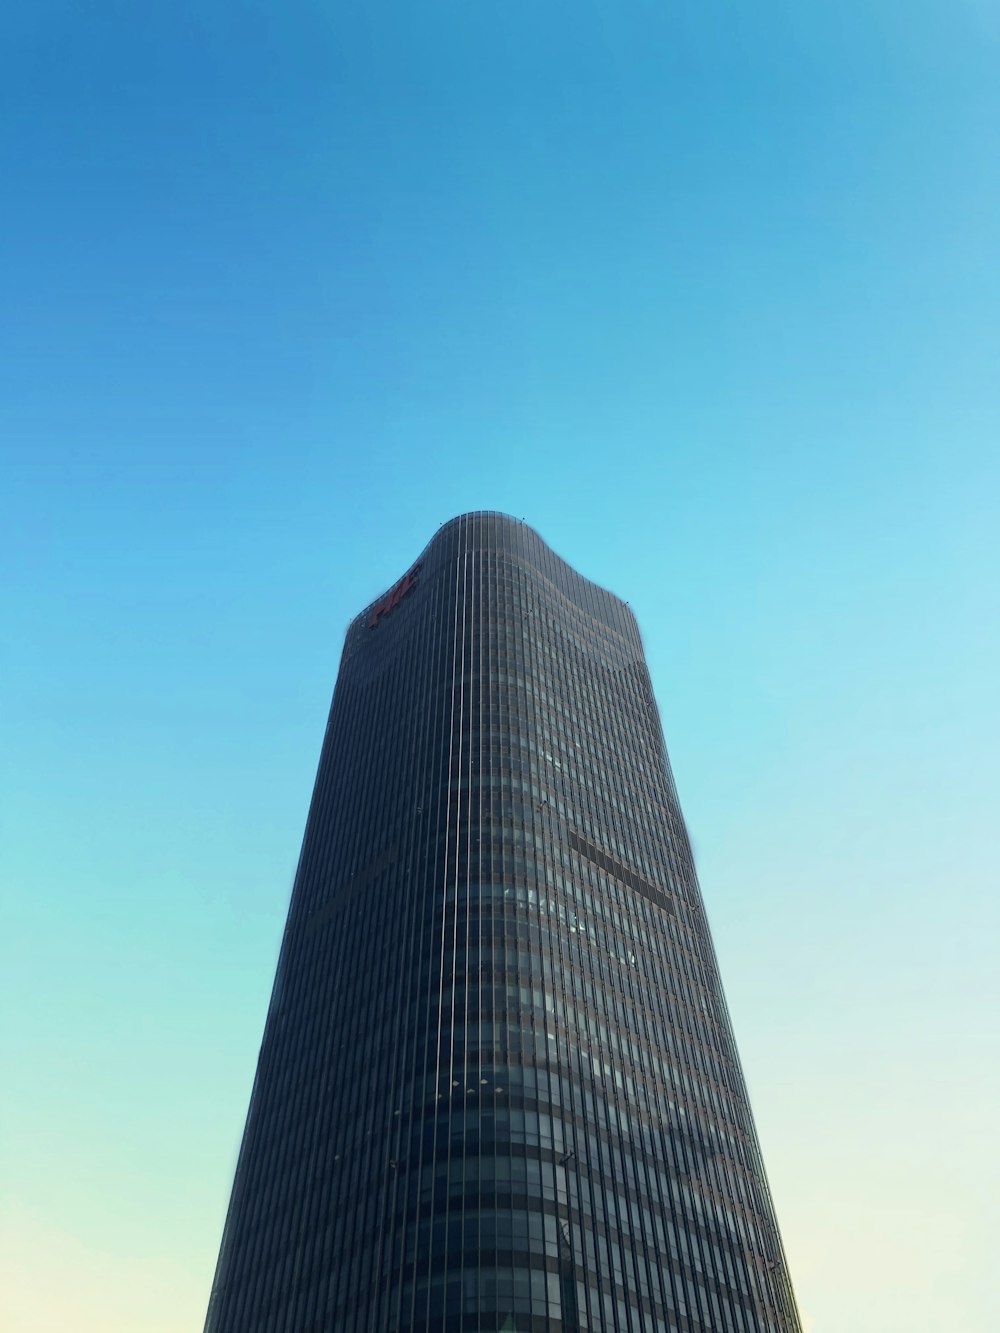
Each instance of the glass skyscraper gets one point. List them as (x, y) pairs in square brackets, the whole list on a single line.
[(498, 1088)]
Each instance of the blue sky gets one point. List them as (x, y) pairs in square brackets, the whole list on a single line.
[(709, 295)]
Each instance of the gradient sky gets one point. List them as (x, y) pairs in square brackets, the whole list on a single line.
[(708, 294)]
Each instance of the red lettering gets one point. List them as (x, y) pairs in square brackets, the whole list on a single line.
[(393, 598)]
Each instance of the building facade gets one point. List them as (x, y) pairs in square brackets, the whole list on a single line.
[(498, 1087)]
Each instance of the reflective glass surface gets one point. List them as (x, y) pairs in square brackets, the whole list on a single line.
[(498, 1087)]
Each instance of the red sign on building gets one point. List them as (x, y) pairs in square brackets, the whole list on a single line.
[(393, 598)]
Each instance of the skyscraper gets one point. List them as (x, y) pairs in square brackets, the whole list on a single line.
[(498, 1087)]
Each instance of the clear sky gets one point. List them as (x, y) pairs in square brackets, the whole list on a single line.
[(707, 293)]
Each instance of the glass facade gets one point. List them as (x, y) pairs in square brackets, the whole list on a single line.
[(498, 1087)]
